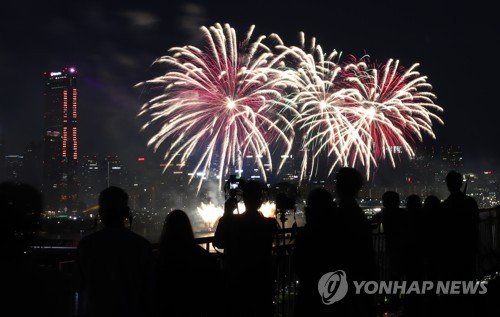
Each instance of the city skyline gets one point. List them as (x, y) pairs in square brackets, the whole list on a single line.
[(134, 35)]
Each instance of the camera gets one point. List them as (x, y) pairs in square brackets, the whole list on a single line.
[(234, 187)]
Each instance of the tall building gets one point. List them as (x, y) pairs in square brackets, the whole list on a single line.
[(60, 157)]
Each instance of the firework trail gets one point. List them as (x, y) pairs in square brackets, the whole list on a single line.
[(392, 108), (222, 102)]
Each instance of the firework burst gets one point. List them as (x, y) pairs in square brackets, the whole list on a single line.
[(392, 108), (221, 102), (322, 103), (230, 100), (355, 113)]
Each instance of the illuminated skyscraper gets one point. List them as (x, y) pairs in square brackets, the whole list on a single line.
[(60, 185)]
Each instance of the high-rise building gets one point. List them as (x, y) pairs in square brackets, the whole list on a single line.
[(60, 185)]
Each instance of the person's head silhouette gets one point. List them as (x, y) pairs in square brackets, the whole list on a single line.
[(431, 202), (177, 231), (390, 200), (454, 181), (319, 204), (413, 202), (252, 195), (113, 207), (349, 183)]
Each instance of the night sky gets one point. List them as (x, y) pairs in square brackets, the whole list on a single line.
[(114, 44)]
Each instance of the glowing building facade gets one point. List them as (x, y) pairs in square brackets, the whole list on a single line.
[(60, 184)]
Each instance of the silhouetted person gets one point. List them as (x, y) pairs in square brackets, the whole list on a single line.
[(460, 242), (188, 279), (27, 288), (397, 229), (247, 240), (314, 253), (114, 263), (431, 202), (461, 231), (354, 247), (320, 207), (414, 205)]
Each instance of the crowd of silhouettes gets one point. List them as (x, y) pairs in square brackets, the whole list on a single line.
[(434, 241), (118, 274), (335, 237)]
